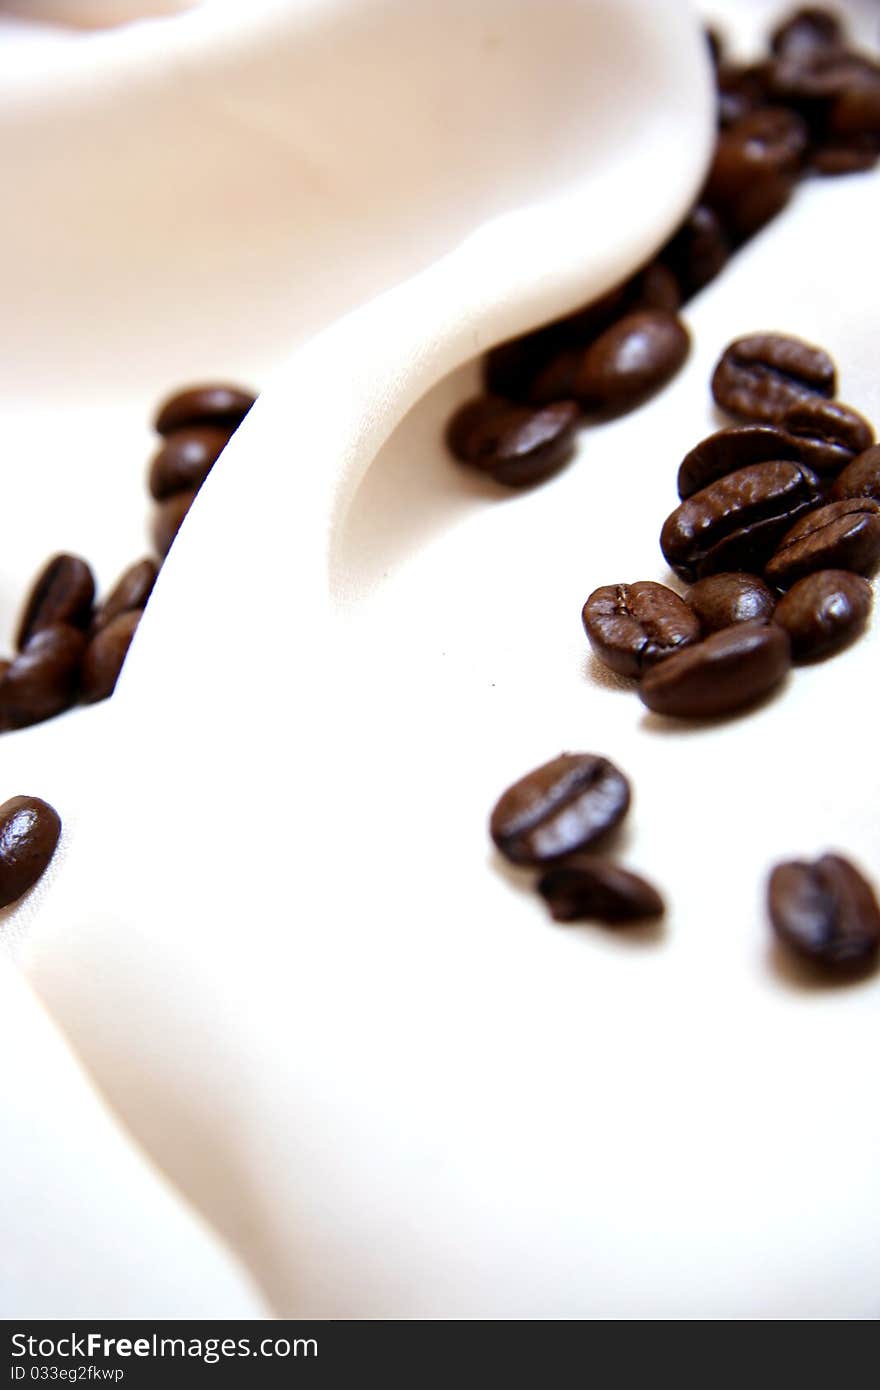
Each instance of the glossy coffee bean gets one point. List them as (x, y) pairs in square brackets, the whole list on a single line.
[(130, 592), (559, 808), (755, 168), (861, 478), (828, 434), (699, 250), (104, 655), (515, 445), (729, 671), (214, 404), (42, 680), (730, 449), (510, 368), (168, 519), (631, 626), (807, 32), (185, 460), (62, 593), (631, 360), (826, 912), (585, 887), (841, 535), (736, 522), (721, 600), (823, 612), (761, 376), (29, 831)]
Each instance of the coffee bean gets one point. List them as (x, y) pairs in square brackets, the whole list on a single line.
[(104, 655), (730, 449), (720, 600), (841, 535), (214, 404), (856, 111), (630, 361), (168, 519), (584, 886), (824, 612), (699, 250), (62, 593), (826, 912), (861, 478), (807, 32), (736, 522), (656, 287), (730, 670), (42, 680), (828, 434), (755, 168), (740, 92), (559, 808), (130, 592), (185, 460), (761, 376), (630, 626), (510, 368), (813, 84), (515, 445), (832, 160), (29, 831)]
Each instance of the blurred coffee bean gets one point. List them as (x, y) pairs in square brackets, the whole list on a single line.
[(856, 110), (732, 448), (29, 831), (168, 519), (828, 434), (185, 459), (756, 164), (62, 593), (761, 376), (807, 32), (740, 92), (559, 808), (214, 404), (630, 361), (826, 912), (812, 84), (861, 478), (130, 592), (515, 445), (585, 887), (42, 680), (824, 612), (721, 600), (727, 672), (656, 287), (699, 250), (836, 159), (631, 626), (841, 535), (104, 655)]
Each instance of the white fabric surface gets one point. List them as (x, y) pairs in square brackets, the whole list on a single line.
[(345, 1032)]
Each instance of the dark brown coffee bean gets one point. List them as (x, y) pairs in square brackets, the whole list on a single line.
[(631, 360), (62, 593), (42, 680), (755, 168), (761, 376), (824, 612), (130, 592), (856, 111), (29, 831), (729, 671), (103, 657), (559, 808), (214, 404), (839, 536), (586, 887), (511, 368), (516, 445), (826, 912), (736, 522), (699, 250), (656, 287), (832, 160), (630, 626), (185, 460), (807, 32), (741, 90), (861, 478), (812, 85), (168, 519), (828, 433), (720, 600), (730, 449)]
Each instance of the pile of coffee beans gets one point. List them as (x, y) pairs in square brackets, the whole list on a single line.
[(810, 106), (552, 818), (29, 831)]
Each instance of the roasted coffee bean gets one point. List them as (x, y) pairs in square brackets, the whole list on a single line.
[(807, 32), (656, 287), (721, 600), (828, 434), (513, 444), (586, 887), (511, 368), (755, 168), (42, 680), (130, 592), (103, 657), (740, 90), (29, 831), (630, 626), (861, 478), (839, 536), (836, 159), (736, 522), (730, 670), (812, 85), (761, 376), (856, 111), (730, 449), (699, 250), (824, 612), (62, 593), (219, 405), (185, 460), (559, 808), (168, 519), (826, 912), (630, 361)]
